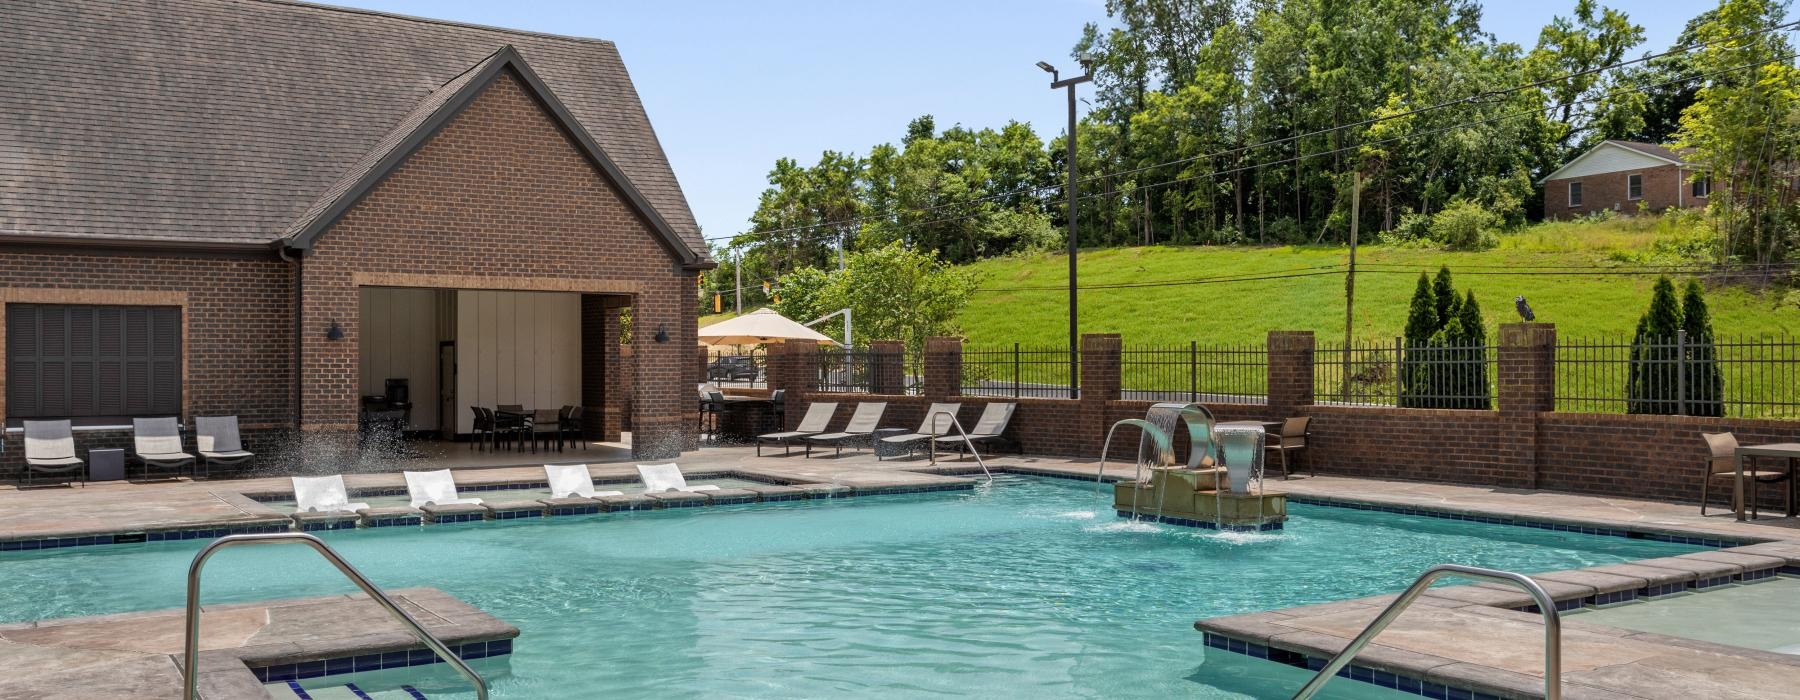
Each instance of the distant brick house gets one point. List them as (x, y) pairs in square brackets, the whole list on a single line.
[(270, 209), (1623, 176)]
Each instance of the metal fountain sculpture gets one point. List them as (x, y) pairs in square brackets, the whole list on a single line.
[(1218, 486)]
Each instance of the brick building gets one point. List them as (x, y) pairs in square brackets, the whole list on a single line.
[(270, 209), (1623, 176)]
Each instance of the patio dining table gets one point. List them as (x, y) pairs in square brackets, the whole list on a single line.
[(1790, 451), (534, 417)]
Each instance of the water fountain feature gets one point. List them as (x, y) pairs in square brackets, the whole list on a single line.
[(1220, 486)]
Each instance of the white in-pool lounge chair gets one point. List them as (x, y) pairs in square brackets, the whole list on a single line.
[(217, 441), (50, 449), (928, 429), (659, 478), (323, 494), (862, 425), (571, 480), (434, 488), (156, 442), (990, 428), (817, 420)]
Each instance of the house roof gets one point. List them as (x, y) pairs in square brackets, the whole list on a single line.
[(245, 122), (1660, 152)]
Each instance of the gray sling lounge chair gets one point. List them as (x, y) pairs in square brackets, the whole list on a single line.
[(157, 444), (217, 441), (50, 449), (989, 429), (817, 420), (928, 429), (861, 427)]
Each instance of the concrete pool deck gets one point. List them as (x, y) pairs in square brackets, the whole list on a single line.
[(1474, 635), (139, 655)]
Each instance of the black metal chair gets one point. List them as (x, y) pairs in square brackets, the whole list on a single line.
[(511, 424), (568, 425), (711, 408), (483, 430)]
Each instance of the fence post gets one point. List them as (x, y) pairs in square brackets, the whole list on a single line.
[(943, 367), (1290, 374), (1100, 385), (1015, 370), (1681, 403), (1403, 384), (1527, 369), (887, 366), (1194, 371)]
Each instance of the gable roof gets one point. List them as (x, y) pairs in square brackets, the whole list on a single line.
[(242, 122), (1657, 152)]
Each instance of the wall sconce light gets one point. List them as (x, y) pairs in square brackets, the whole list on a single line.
[(662, 334), (335, 332)]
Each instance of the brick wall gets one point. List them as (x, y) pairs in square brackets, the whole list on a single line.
[(1664, 186), (501, 198)]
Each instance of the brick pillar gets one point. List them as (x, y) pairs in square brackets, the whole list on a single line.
[(943, 368), (1527, 367), (1290, 372), (793, 366), (887, 367), (1100, 368)]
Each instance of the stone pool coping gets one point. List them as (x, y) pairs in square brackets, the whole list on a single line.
[(243, 645)]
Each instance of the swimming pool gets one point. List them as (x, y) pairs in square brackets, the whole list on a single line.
[(1026, 587), (287, 505)]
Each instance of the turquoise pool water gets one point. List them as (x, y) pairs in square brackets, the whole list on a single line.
[(1027, 587)]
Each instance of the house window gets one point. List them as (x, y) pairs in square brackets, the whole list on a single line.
[(1634, 187), (1574, 194), (68, 361), (1703, 187)]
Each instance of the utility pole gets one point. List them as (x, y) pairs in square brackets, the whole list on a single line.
[(1350, 278), (739, 270), (1072, 196)]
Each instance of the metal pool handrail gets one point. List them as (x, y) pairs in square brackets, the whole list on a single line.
[(966, 441), (1552, 625), (191, 653)]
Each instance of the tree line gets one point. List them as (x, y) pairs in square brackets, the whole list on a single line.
[(1244, 121)]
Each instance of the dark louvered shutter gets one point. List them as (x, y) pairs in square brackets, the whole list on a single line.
[(82, 361)]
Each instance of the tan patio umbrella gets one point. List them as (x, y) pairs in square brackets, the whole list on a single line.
[(759, 326)]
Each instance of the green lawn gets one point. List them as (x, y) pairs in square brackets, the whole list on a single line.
[(1242, 312)]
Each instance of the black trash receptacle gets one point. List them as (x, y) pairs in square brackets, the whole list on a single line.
[(106, 464)]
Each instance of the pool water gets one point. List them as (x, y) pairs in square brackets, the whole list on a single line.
[(1029, 586), (1759, 615), (497, 495)]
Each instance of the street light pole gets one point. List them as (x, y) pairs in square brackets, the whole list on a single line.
[(1072, 197)]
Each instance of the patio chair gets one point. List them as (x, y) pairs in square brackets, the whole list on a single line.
[(570, 480), (1295, 433), (659, 478), (434, 488), (568, 426), (157, 445), (323, 494), (50, 449), (817, 420), (711, 408), (860, 429), (216, 439), (511, 424), (484, 426), (990, 428), (928, 429), (1722, 464)]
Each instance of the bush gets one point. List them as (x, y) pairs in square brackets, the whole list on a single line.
[(1464, 225), (1412, 229), (1283, 230)]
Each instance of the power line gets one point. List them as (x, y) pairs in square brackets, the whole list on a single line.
[(1472, 99), (1221, 279)]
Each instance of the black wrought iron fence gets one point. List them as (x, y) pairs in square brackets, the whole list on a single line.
[(867, 370), (1018, 371), (1195, 372), (1739, 377), (1383, 374), (740, 369)]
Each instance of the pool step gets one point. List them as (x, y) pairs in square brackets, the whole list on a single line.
[(292, 690)]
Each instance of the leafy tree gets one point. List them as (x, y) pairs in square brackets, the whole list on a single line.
[(802, 295), (893, 292), (1587, 107)]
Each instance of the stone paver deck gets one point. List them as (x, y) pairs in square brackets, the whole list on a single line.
[(139, 655)]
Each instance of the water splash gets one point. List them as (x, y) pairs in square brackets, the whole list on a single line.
[(1132, 526), (1237, 537), (1076, 515)]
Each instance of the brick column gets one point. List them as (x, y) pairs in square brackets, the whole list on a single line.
[(1527, 367), (793, 366), (1290, 372), (1100, 368), (943, 368), (887, 367)]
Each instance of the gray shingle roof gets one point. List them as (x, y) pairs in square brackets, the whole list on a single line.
[(1657, 149), (225, 121)]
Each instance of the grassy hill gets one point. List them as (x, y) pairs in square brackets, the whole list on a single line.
[(1235, 312)]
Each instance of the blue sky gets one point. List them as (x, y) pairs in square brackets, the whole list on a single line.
[(733, 85)]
